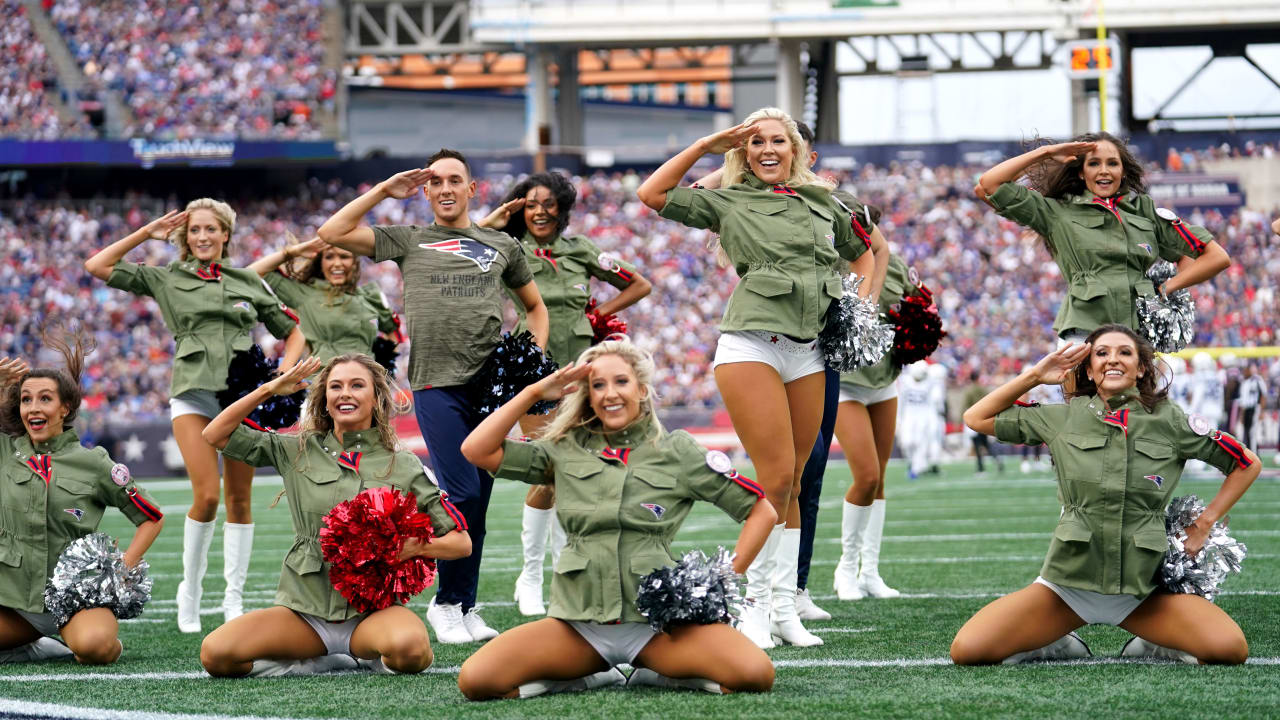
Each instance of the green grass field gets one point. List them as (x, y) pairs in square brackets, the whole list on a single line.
[(953, 543)]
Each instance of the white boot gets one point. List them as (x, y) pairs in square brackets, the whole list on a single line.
[(196, 537), (786, 626), (534, 528), (604, 678), (807, 609), (1137, 647), (237, 548), (1067, 647), (853, 524), (755, 619), (645, 676), (869, 580)]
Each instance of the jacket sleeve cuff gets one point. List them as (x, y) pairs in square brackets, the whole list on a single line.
[(522, 461)]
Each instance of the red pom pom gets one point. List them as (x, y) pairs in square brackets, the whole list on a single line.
[(602, 326), (362, 543), (917, 329)]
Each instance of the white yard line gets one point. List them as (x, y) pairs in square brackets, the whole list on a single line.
[(26, 707)]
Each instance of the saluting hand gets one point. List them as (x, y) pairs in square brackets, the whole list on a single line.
[(308, 249), (1054, 367), (729, 138), (561, 382), (403, 185), (11, 370), (1068, 151), (162, 227), (499, 218), (295, 378)]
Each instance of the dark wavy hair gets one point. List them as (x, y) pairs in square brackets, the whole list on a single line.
[(1153, 386), (312, 270), (1055, 181), (73, 351), (561, 189)]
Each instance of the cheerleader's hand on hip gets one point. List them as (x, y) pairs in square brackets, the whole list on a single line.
[(1054, 368), (295, 378)]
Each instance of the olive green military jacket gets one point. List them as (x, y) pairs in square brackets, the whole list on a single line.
[(786, 244), (621, 498), (318, 475), (51, 495), (897, 285), (1117, 470), (345, 323), (563, 272), (211, 311), (1103, 247)]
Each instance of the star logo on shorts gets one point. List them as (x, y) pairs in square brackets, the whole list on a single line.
[(773, 339)]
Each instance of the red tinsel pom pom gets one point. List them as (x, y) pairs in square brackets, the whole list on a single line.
[(602, 326), (917, 330), (362, 542)]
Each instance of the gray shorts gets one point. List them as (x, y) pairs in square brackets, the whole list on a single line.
[(42, 622), (336, 636), (1095, 608), (195, 402), (867, 396), (617, 644)]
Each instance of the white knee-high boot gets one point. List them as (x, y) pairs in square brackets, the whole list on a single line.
[(853, 523), (869, 579), (533, 538), (786, 624), (755, 620), (196, 537), (237, 548)]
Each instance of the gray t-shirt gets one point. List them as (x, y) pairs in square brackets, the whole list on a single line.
[(452, 299)]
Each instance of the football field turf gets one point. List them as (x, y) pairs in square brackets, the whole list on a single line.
[(952, 544)]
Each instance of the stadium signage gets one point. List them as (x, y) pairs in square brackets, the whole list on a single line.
[(150, 153), (1196, 190), (193, 152)]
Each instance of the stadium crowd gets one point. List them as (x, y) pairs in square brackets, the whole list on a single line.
[(26, 110)]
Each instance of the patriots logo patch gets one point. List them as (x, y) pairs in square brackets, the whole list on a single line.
[(77, 512), (474, 250), (243, 305), (1159, 481), (657, 510), (580, 286), (1145, 246)]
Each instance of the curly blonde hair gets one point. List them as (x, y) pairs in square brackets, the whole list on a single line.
[(735, 160), (574, 410), (222, 211), (386, 404)]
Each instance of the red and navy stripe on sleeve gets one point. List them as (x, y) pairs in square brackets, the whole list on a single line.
[(745, 482), (1197, 245), (292, 315), (1232, 446), (454, 513), (149, 511), (860, 231), (256, 426)]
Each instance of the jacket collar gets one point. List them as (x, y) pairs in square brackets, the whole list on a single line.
[(53, 445)]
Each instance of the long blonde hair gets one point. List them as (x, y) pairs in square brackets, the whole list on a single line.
[(574, 410), (735, 160), (317, 420), (222, 211)]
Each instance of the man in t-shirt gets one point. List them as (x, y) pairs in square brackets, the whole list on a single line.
[(453, 273)]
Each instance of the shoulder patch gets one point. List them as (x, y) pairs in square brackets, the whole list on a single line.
[(1166, 214), (605, 260), (120, 474), (913, 276), (719, 462), (1199, 424)]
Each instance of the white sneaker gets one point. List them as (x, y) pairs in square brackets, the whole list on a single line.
[(754, 623), (806, 608), (645, 676), (1067, 647), (45, 648), (875, 587), (446, 620), (296, 668), (1137, 647), (476, 627)]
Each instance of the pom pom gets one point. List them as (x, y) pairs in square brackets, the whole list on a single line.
[(917, 330), (384, 353), (91, 573), (514, 364), (250, 369), (854, 337), (1167, 321), (1200, 575), (602, 326), (362, 540), (697, 591)]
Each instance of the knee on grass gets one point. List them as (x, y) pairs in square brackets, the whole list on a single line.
[(965, 651), (100, 647), (1231, 649), (756, 677), (477, 684), (409, 653), (218, 659)]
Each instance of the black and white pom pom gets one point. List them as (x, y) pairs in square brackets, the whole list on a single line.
[(1168, 322), (514, 364), (247, 371), (1200, 575), (697, 591), (854, 337), (91, 573), (385, 353)]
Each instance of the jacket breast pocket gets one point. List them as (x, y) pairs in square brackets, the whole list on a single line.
[(1084, 456), (577, 485), (1159, 467), (767, 207), (834, 286), (319, 490), (768, 284), (10, 554), (1140, 223), (1090, 220)]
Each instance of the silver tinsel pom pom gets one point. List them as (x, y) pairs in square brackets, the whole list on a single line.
[(1201, 575), (1167, 321), (697, 591), (92, 573), (854, 337)]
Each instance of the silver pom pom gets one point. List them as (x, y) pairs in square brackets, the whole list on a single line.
[(1202, 574), (854, 337), (92, 573), (1167, 321), (697, 591)]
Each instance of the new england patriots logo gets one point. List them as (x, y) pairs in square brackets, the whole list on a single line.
[(654, 508), (77, 512), (474, 250), (1159, 481), (1145, 246)]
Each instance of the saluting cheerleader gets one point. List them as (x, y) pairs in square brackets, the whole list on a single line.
[(788, 240), (624, 485), (54, 491), (536, 212), (1118, 447), (211, 310), (346, 443)]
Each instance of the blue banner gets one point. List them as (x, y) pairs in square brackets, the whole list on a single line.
[(150, 153)]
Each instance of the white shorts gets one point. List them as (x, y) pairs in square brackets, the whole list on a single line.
[(791, 359), (1072, 336), (867, 396), (617, 644), (42, 622), (1095, 608), (336, 636), (195, 402)]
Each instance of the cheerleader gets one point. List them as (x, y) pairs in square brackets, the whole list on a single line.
[(54, 491), (346, 443), (1086, 199), (536, 212), (1118, 446), (211, 311), (624, 485), (789, 241)]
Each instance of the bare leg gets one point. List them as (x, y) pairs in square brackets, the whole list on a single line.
[(93, 635), (854, 431), (715, 652), (202, 466), (14, 631), (546, 649), (274, 633), (1027, 619), (804, 400), (884, 421), (397, 636), (1191, 624), (238, 491)]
